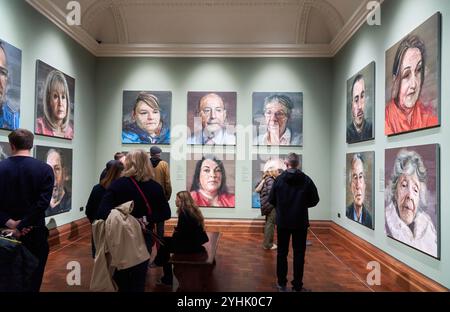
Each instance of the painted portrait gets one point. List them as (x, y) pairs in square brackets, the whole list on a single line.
[(211, 180), (361, 105), (146, 117), (278, 118), (412, 197), (55, 102), (5, 150), (60, 159), (10, 82), (263, 166), (211, 118), (413, 88), (360, 206)]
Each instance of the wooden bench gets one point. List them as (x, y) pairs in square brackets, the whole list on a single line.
[(193, 271)]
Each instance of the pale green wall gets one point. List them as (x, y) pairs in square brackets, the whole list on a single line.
[(399, 17), (26, 29), (310, 76)]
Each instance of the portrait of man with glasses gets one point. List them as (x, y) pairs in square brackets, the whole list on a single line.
[(277, 118), (214, 121), (10, 71)]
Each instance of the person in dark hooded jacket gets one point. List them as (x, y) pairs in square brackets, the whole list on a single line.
[(292, 194)]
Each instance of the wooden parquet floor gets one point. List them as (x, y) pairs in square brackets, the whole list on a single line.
[(242, 266)]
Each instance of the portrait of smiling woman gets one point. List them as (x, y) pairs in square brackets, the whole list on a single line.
[(412, 80), (146, 117), (211, 181), (54, 102)]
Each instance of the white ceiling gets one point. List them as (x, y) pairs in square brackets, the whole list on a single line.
[(296, 28)]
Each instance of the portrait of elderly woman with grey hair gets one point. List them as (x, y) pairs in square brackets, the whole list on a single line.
[(409, 202), (277, 118)]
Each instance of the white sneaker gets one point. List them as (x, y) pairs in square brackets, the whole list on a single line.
[(274, 246)]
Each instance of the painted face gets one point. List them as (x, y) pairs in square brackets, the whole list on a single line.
[(358, 102), (408, 195), (358, 184), (58, 102), (276, 117), (411, 79), (3, 76), (147, 118), (54, 160), (212, 113), (210, 176)]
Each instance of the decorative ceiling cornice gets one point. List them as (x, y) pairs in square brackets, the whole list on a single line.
[(351, 27), (55, 15), (211, 50), (301, 49)]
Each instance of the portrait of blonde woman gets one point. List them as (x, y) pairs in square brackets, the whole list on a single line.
[(55, 93)]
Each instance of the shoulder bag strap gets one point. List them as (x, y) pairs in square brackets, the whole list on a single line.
[(149, 208)]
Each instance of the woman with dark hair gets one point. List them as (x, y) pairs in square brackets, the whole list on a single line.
[(93, 204), (56, 120), (115, 168), (209, 185), (406, 111)]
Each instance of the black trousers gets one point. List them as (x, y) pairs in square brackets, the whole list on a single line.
[(132, 279), (162, 259), (36, 242), (299, 247)]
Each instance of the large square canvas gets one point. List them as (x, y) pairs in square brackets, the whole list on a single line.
[(262, 163), (60, 159), (10, 82), (361, 105), (55, 102), (412, 197), (146, 117), (413, 85), (278, 118), (5, 150), (360, 206), (211, 180), (211, 118)]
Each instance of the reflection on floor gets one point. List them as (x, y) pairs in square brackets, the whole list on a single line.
[(242, 265)]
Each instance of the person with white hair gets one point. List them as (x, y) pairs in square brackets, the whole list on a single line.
[(272, 169), (406, 217)]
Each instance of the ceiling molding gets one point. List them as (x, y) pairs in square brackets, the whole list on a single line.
[(351, 27), (331, 14), (121, 25), (58, 17), (301, 49), (208, 50), (303, 21)]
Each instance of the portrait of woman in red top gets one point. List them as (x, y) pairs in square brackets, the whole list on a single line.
[(408, 108)]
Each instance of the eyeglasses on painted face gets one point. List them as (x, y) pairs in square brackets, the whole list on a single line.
[(278, 114), (3, 72)]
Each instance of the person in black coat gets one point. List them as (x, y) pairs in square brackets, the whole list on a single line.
[(188, 237), (136, 185), (292, 194), (26, 187), (99, 190)]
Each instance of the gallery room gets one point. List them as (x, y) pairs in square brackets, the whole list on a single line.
[(306, 129)]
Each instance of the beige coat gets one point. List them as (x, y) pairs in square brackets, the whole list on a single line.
[(120, 245)]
